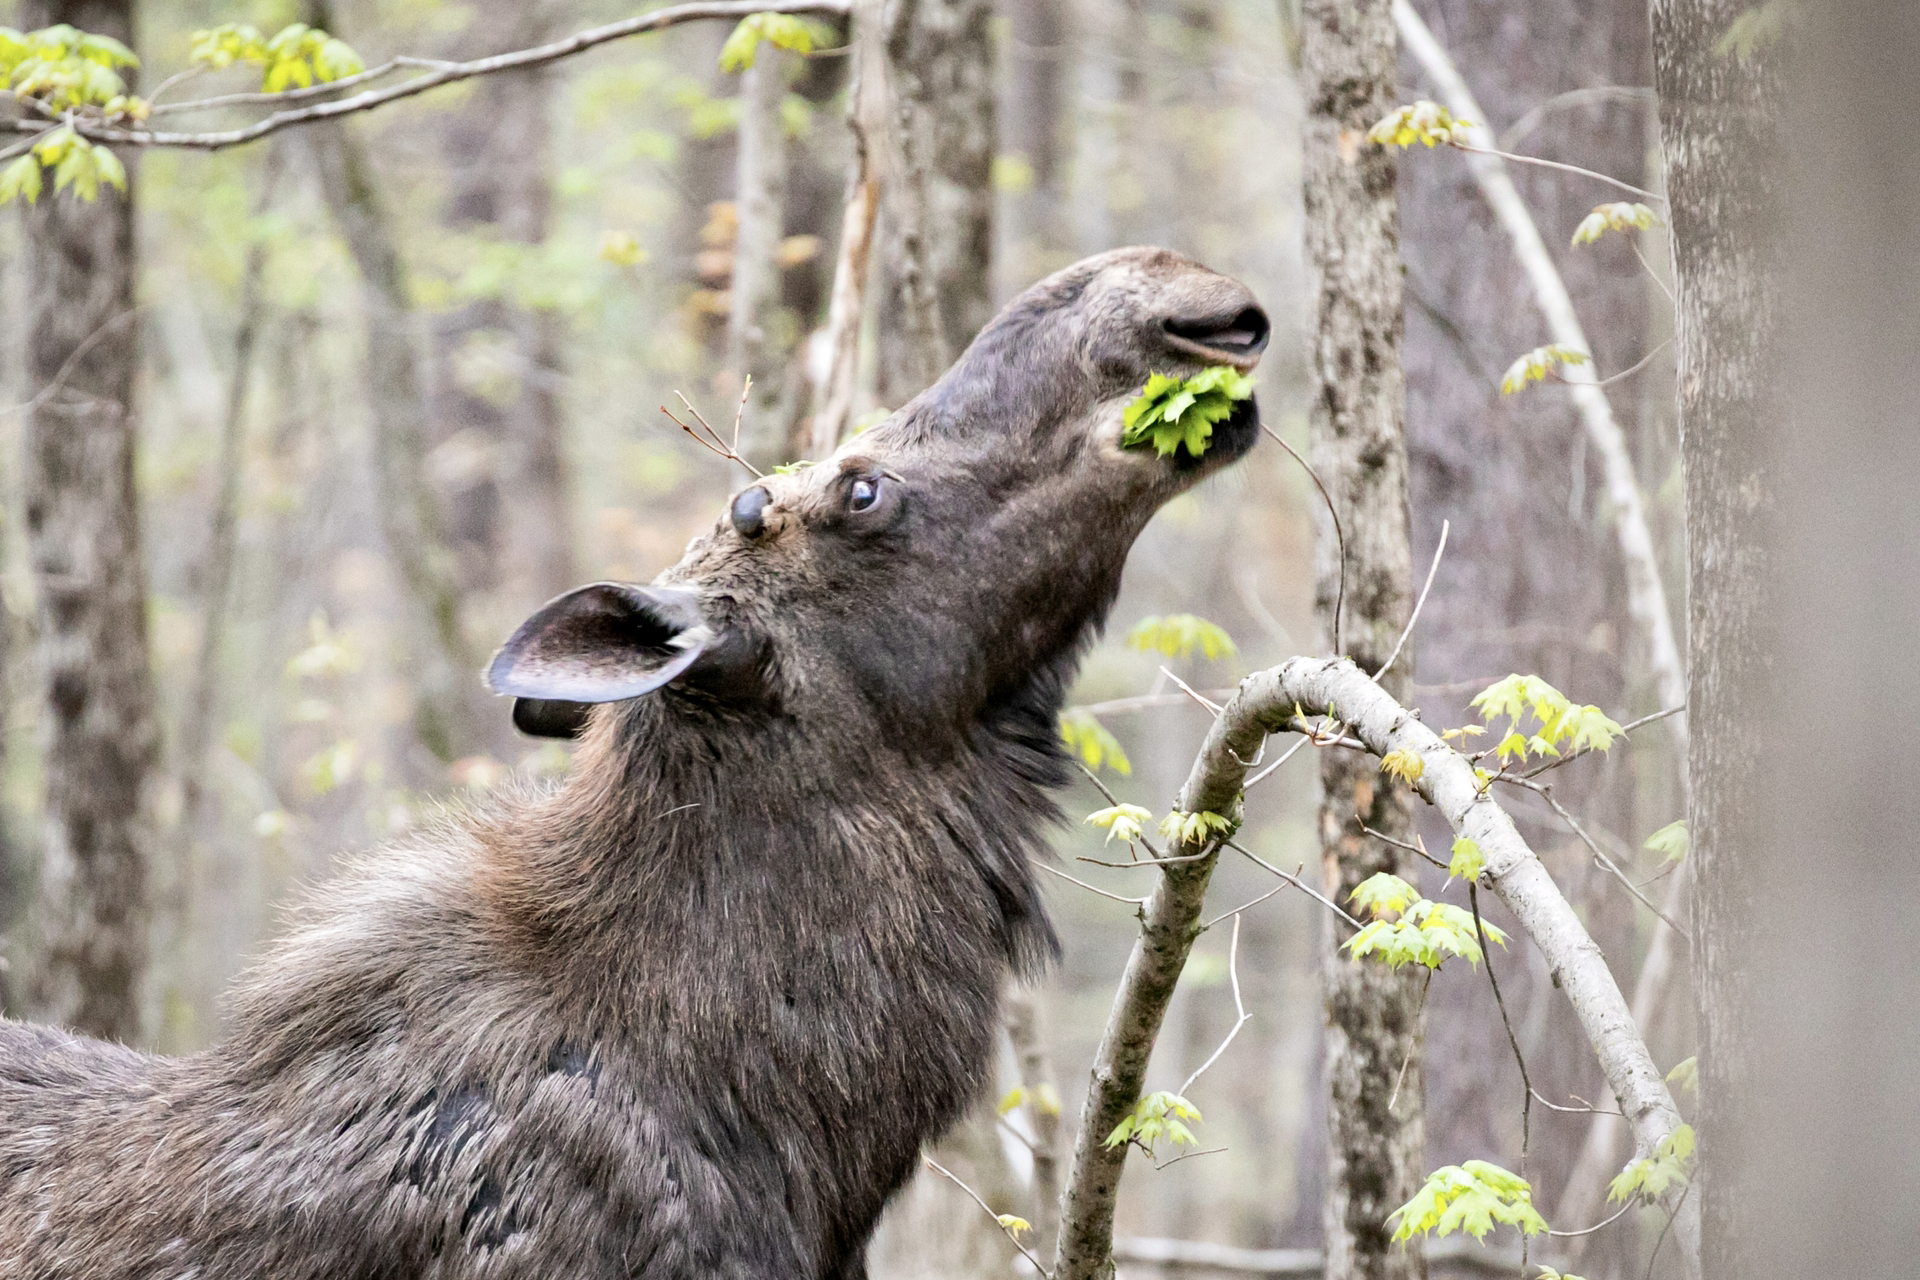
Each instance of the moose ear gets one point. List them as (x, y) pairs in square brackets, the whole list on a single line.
[(546, 718), (600, 643)]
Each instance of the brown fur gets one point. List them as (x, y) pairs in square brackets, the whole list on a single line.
[(694, 1012)]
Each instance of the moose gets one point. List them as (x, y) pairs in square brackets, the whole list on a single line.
[(694, 1011)]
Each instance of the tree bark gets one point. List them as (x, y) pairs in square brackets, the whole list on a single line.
[(1718, 113), (83, 529), (1358, 446), (937, 193), (758, 341), (1031, 134), (508, 517)]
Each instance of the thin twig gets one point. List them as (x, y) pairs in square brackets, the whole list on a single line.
[(1210, 1151), (1419, 604), (269, 99), (1245, 906), (1564, 168), (1545, 791), (711, 439), (1239, 1005), (1339, 534), (1297, 883), (942, 1170), (1132, 902), (1584, 1109), (1663, 1231), (1284, 757), (1526, 1102), (1137, 863), (1625, 729), (1420, 848), (1114, 800), (1587, 1231), (1635, 367), (446, 73), (1655, 274), (72, 362), (1192, 692), (1143, 702), (1400, 1076)]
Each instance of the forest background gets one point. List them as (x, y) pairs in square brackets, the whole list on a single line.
[(564, 244)]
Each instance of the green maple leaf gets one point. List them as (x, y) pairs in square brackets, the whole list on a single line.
[(1179, 413)]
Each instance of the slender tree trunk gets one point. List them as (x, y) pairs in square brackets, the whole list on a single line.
[(1359, 448), (937, 202), (509, 525), (83, 527), (447, 714), (757, 341), (1031, 137), (1717, 114)]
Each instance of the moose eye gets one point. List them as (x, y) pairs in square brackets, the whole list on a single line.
[(863, 495), (749, 512)]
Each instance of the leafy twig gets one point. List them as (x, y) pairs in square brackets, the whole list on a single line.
[(942, 1170)]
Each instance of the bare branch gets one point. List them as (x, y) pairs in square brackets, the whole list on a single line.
[(941, 1169), (1240, 1007), (448, 73), (1628, 187), (1339, 534), (1445, 527)]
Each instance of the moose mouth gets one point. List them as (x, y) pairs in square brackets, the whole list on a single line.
[(1237, 340)]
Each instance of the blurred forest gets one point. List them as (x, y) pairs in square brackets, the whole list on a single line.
[(518, 271)]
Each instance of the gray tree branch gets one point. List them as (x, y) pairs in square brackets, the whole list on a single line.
[(443, 73)]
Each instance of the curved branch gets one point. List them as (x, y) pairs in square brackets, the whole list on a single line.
[(1270, 699), (579, 42)]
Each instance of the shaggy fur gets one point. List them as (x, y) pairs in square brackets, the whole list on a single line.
[(693, 1013)]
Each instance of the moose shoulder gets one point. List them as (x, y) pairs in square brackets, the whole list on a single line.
[(694, 1012)]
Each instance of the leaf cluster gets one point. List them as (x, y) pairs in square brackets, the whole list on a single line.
[(1409, 929), (75, 162), (61, 68), (1177, 635), (1043, 1098), (1156, 1116), (1538, 365), (1088, 739), (1121, 821), (1425, 122), (295, 57), (1404, 764), (1621, 215), (1650, 1179), (1173, 413), (1562, 726), (1194, 828), (781, 30), (1469, 1197)]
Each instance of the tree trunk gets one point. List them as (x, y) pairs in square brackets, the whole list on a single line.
[(937, 192), (1031, 128), (83, 529), (505, 492), (447, 715), (757, 339), (1717, 114), (1359, 449), (1828, 1157)]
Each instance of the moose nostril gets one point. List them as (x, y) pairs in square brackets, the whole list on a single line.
[(749, 512), (1244, 334)]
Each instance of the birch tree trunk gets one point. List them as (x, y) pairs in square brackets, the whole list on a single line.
[(1718, 115), (83, 530), (1358, 446)]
